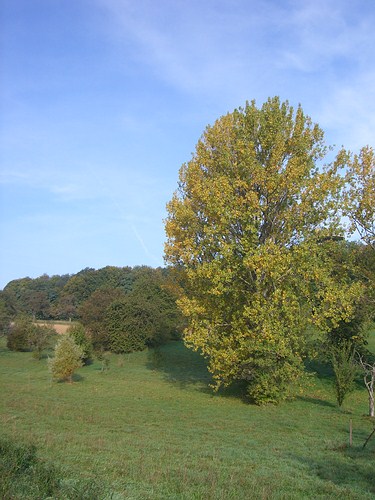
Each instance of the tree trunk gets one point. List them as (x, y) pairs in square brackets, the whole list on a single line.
[(371, 396)]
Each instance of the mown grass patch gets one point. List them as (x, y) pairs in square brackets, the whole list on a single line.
[(150, 428)]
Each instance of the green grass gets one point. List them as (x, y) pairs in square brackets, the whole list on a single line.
[(371, 342), (150, 428)]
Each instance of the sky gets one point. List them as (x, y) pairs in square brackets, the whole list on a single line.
[(102, 101)]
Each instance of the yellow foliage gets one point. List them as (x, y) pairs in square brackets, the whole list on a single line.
[(251, 223)]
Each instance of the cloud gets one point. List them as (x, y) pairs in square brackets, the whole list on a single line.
[(193, 46), (230, 52), (351, 110)]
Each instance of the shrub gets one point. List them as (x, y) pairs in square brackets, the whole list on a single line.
[(104, 359), (20, 331), (39, 338), (78, 332), (68, 358), (131, 324), (270, 377)]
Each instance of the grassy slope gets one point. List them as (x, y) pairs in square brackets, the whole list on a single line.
[(150, 429)]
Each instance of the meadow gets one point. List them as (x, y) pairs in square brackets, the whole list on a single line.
[(150, 428)]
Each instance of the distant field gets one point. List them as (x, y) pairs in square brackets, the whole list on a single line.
[(150, 428), (60, 326)]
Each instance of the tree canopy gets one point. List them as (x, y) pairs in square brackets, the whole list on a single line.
[(253, 225)]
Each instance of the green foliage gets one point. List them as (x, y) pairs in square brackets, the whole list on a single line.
[(342, 358), (270, 376), (25, 335), (39, 338), (364, 266), (87, 281), (92, 313), (157, 288), (131, 324), (87, 295), (103, 357), (253, 226), (5, 316), (352, 265), (359, 195), (78, 332), (67, 359), (35, 297), (20, 333)]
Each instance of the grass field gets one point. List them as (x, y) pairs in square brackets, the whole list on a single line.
[(149, 428)]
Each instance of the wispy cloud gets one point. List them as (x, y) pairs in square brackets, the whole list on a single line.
[(236, 52), (323, 32)]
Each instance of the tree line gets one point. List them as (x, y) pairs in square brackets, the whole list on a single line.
[(119, 309)]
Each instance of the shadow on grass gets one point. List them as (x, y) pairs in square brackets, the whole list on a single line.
[(324, 371), (76, 378), (187, 368), (316, 401), (345, 467), (179, 365), (321, 369)]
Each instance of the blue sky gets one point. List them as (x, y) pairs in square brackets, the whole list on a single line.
[(103, 100)]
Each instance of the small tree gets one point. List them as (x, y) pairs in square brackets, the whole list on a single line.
[(103, 357), (68, 358), (39, 337), (344, 369), (78, 332)]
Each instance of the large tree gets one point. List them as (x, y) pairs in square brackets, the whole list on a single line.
[(252, 225), (359, 204)]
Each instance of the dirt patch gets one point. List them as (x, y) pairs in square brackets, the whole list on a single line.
[(60, 328)]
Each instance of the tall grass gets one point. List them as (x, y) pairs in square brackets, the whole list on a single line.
[(149, 428)]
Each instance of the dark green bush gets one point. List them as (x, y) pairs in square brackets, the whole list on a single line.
[(19, 334), (131, 324)]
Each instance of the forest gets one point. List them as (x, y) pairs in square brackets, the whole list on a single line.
[(105, 301)]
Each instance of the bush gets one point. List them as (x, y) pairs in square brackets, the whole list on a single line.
[(132, 323), (78, 333), (103, 357), (39, 338), (270, 377), (20, 331), (68, 358)]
